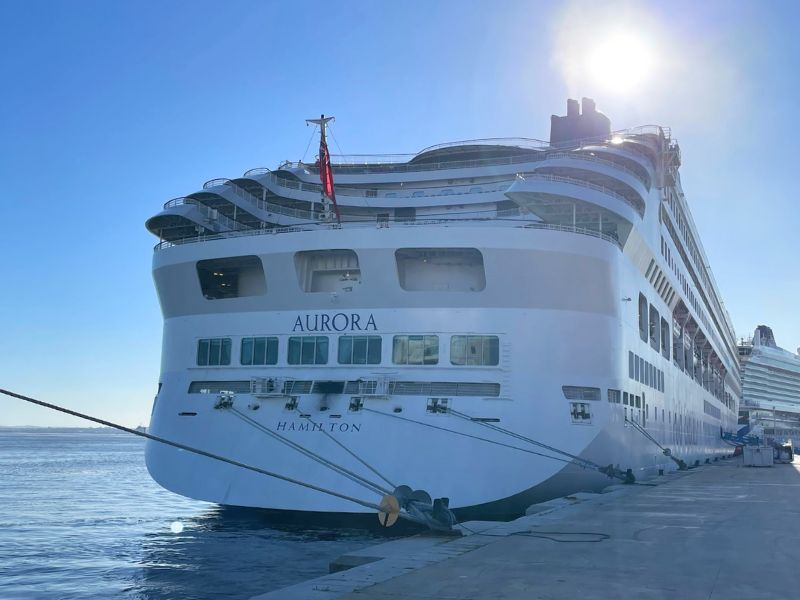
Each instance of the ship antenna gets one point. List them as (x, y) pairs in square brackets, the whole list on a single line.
[(328, 194)]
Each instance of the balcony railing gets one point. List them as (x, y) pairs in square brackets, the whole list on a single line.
[(460, 164), (638, 207), (473, 221), (210, 214)]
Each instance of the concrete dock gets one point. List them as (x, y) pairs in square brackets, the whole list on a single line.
[(718, 531)]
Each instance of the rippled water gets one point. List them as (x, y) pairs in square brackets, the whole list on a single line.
[(81, 518)]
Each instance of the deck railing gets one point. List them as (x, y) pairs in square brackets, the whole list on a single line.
[(580, 182), (209, 213), (461, 164), (517, 224)]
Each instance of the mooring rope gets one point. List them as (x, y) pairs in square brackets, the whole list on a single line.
[(187, 448), (583, 461), (467, 435), (355, 477), (665, 451), (346, 449)]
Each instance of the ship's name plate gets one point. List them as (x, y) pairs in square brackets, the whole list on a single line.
[(308, 426), (336, 322)]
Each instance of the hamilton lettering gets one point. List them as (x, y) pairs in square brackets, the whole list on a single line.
[(307, 426)]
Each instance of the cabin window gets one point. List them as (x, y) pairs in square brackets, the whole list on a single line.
[(630, 365), (407, 213), (308, 350), (359, 350), (440, 269), (232, 277), (581, 412), (643, 317), (415, 350), (613, 396), (625, 398), (213, 352), (654, 327), (575, 392), (327, 270), (259, 351), (665, 338), (474, 350)]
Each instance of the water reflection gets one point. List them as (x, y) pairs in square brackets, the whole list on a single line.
[(242, 552)]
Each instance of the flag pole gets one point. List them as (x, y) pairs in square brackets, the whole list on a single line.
[(328, 192)]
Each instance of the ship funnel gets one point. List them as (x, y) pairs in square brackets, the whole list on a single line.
[(581, 122)]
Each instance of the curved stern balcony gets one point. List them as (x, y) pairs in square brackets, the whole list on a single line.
[(564, 201)]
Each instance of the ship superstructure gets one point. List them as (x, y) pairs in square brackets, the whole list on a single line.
[(555, 290), (770, 389)]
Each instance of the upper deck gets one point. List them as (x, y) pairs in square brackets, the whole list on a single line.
[(587, 180)]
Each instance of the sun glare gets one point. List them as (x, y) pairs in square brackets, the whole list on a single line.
[(621, 63)]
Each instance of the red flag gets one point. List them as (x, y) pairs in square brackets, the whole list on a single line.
[(326, 174)]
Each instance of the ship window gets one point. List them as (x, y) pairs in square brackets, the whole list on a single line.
[(643, 317), (630, 365), (214, 352), (625, 398), (327, 270), (636, 367), (665, 338), (654, 327), (359, 350), (231, 277), (440, 269), (407, 213), (638, 402), (259, 351), (574, 392), (474, 350), (613, 396), (581, 412), (415, 350), (308, 350), (215, 387)]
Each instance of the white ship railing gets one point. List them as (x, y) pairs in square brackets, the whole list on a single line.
[(345, 191), (255, 201), (582, 183), (209, 213), (460, 164), (571, 229), (371, 224)]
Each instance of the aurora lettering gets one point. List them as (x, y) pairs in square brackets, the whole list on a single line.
[(337, 322)]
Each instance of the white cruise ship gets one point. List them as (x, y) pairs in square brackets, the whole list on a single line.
[(770, 389), (490, 321)]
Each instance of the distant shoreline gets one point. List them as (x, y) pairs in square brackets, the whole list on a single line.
[(39, 429)]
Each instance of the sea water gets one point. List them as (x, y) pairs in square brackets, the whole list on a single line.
[(81, 518)]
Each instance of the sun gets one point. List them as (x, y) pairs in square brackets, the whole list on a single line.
[(621, 63)]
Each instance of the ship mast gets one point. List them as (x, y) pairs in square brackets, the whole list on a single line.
[(327, 193)]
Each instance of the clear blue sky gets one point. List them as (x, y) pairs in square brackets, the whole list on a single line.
[(109, 108)]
